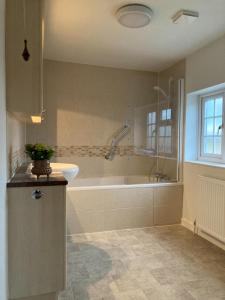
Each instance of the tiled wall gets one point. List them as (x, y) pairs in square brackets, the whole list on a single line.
[(16, 159), (16, 140), (91, 151), (86, 106)]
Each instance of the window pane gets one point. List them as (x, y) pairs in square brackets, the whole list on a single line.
[(154, 117), (209, 108), (148, 130), (168, 145), (218, 126), (212, 140), (208, 145), (209, 126), (169, 114), (168, 130), (217, 145), (151, 130), (162, 131), (219, 106), (153, 143), (161, 144), (163, 114)]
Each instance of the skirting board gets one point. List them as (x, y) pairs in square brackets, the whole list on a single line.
[(189, 225), (52, 296)]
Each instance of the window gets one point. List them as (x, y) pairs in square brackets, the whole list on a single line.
[(211, 144), (165, 131), (166, 114), (151, 131), (159, 131), (165, 139)]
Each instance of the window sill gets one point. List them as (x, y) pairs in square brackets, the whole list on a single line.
[(205, 163)]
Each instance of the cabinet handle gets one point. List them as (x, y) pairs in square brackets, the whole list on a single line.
[(37, 194)]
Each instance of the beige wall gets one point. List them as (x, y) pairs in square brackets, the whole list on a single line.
[(85, 106), (176, 71), (205, 68), (3, 164), (16, 139)]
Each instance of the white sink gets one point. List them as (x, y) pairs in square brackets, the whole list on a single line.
[(69, 171)]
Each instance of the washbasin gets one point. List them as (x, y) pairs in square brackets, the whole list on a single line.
[(69, 171)]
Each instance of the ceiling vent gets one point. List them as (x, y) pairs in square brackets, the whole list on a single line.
[(185, 17), (134, 15)]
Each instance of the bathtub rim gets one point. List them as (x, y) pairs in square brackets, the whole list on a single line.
[(123, 186)]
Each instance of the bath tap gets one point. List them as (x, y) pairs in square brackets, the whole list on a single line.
[(159, 177)]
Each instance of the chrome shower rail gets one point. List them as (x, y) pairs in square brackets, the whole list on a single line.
[(115, 141)]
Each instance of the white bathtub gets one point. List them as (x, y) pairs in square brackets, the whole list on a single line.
[(118, 202), (112, 181)]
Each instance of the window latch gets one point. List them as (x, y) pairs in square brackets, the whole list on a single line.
[(220, 128)]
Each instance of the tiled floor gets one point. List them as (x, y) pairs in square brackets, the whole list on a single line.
[(138, 264)]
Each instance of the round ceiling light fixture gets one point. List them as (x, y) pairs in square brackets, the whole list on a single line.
[(134, 15)]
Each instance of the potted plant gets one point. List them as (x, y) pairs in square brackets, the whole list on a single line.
[(40, 155)]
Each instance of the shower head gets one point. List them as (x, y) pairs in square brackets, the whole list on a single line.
[(159, 89)]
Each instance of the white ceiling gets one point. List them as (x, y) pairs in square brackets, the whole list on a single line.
[(87, 32)]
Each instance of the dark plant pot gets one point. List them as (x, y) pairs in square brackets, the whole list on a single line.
[(41, 167)]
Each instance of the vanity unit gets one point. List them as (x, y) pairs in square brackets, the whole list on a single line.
[(36, 236)]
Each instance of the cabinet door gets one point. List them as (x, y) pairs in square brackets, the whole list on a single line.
[(36, 230), (24, 78)]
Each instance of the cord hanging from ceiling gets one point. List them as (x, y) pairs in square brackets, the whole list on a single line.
[(25, 54)]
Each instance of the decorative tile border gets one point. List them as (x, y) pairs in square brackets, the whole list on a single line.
[(91, 151)]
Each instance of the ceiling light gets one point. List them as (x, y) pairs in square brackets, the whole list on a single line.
[(185, 17), (36, 119), (134, 15)]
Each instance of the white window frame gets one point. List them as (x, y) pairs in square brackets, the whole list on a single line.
[(151, 136), (210, 157), (164, 123)]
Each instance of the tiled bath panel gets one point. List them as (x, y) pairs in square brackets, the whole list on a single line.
[(157, 263), (114, 208)]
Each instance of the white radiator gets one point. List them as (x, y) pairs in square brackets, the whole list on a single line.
[(211, 207)]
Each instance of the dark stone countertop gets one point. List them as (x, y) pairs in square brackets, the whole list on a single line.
[(23, 179)]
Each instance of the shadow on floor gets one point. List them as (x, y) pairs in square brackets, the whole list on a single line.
[(86, 266)]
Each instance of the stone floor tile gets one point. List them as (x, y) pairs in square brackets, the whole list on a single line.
[(127, 282), (131, 295), (155, 294), (157, 263), (177, 292), (66, 295), (202, 289)]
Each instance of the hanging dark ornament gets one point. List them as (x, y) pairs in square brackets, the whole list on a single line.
[(26, 54)]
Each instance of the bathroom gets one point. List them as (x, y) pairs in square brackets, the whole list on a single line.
[(120, 103)]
